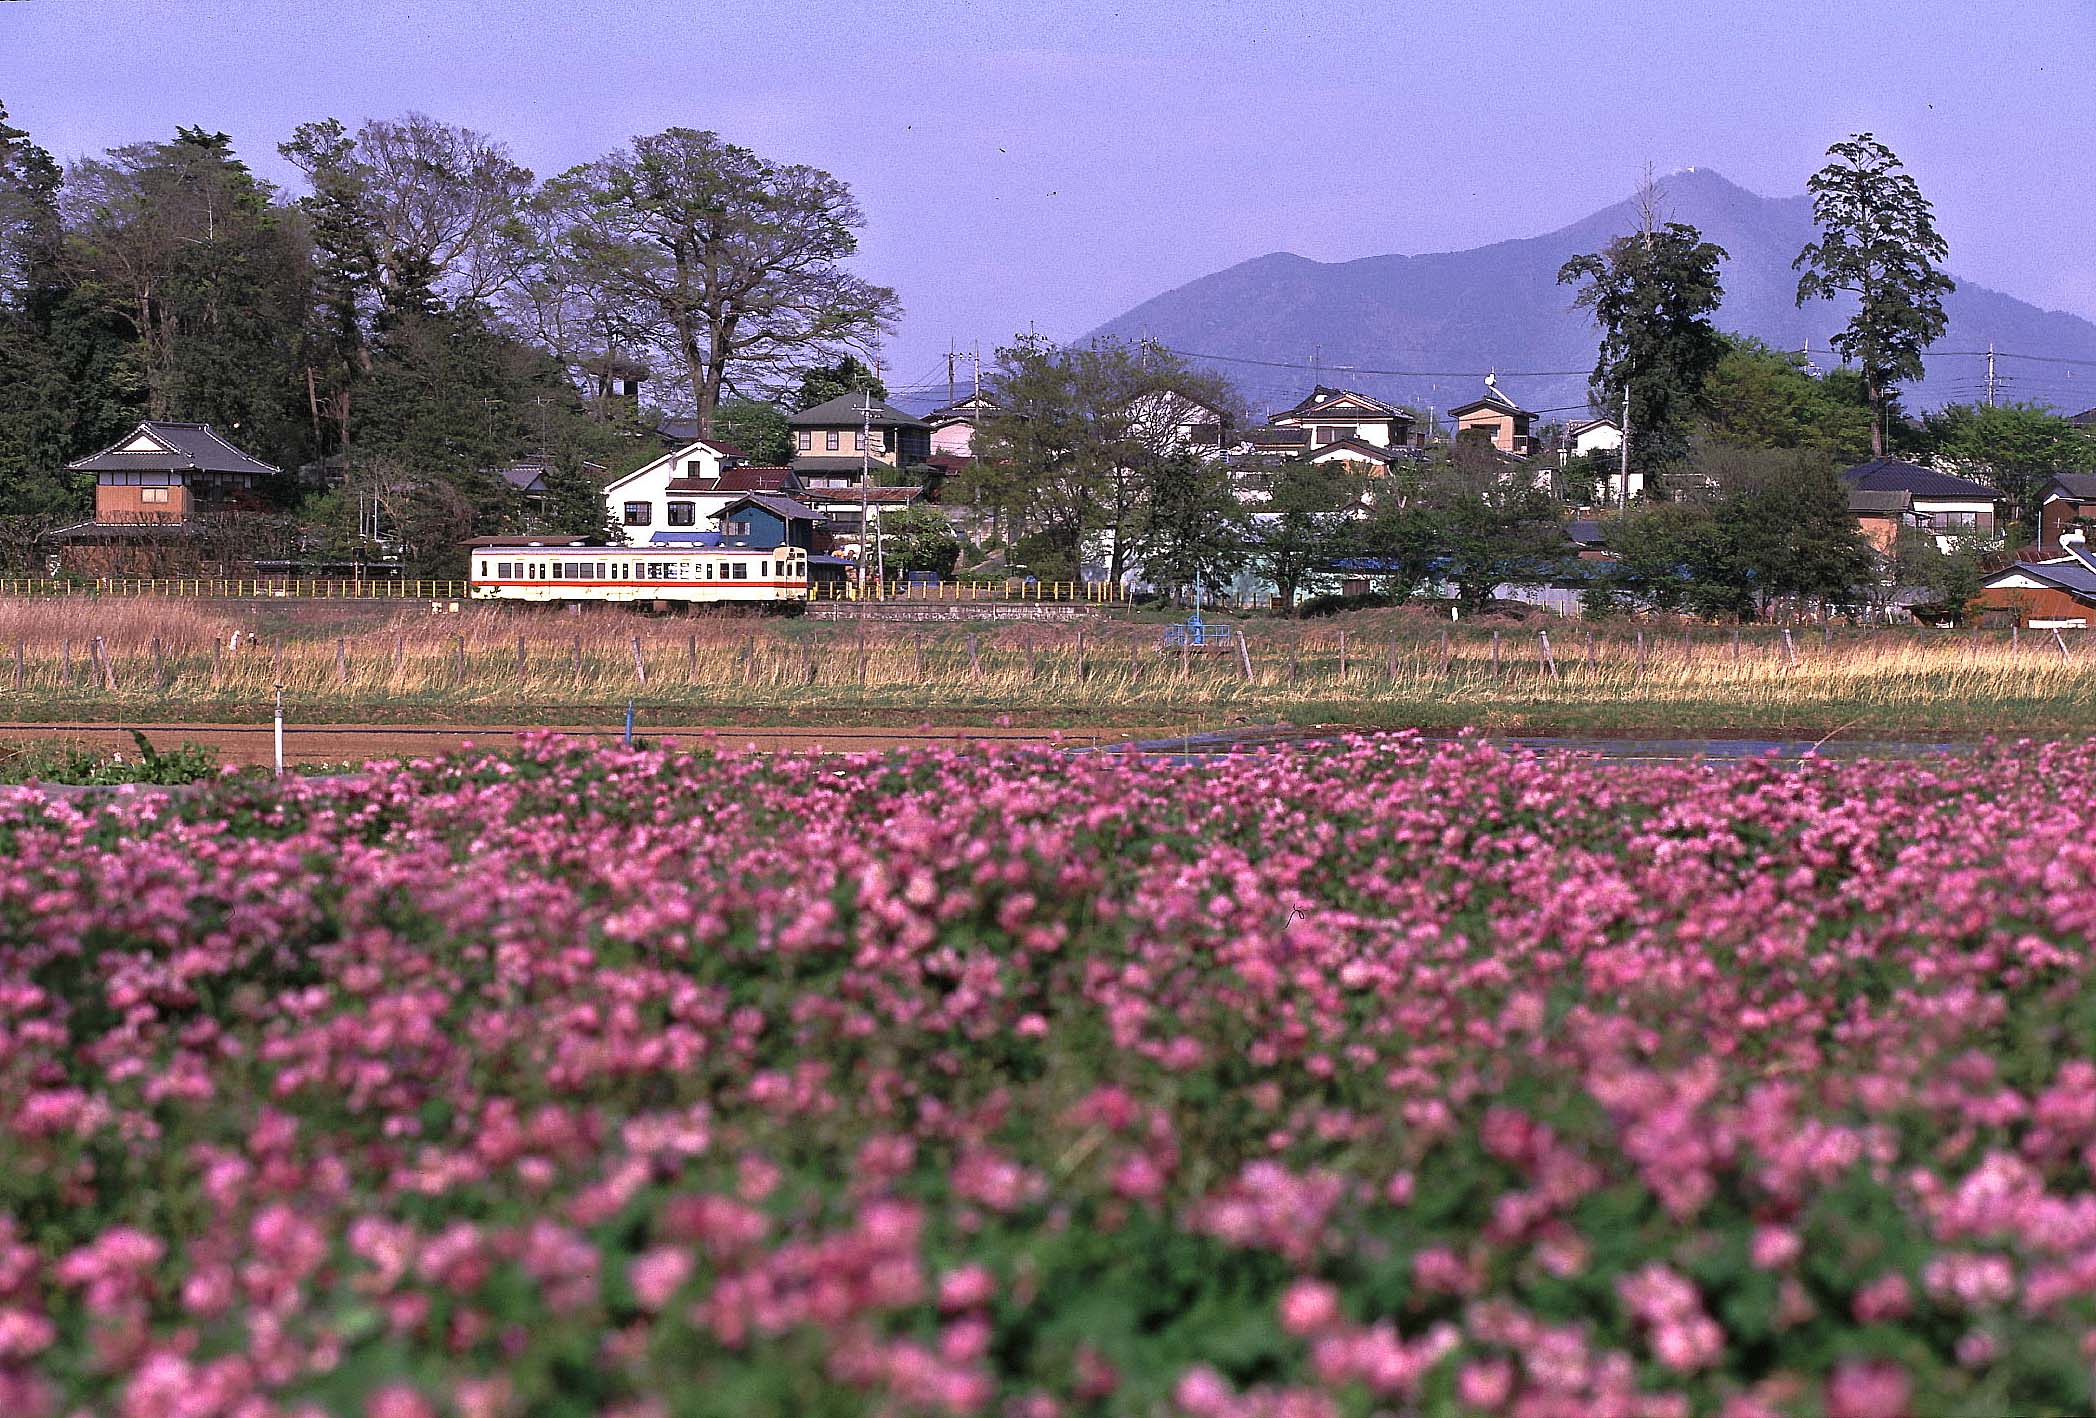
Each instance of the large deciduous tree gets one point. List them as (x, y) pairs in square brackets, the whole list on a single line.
[(1652, 292), (211, 275), (1878, 245), (733, 263), (1073, 454), (1305, 524)]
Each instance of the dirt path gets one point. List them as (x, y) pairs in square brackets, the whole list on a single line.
[(249, 744)]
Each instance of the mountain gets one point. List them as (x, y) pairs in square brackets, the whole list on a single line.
[(1500, 307)]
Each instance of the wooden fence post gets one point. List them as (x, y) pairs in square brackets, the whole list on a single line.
[(577, 648), (1641, 654), (917, 649), (68, 649), (159, 667), (1735, 647), (458, 660), (1590, 651), (2061, 641), (342, 659), (1342, 657), (1033, 666), (102, 658), (1244, 654), (1549, 661), (1495, 654), (521, 662), (862, 659), (1295, 662), (640, 666), (400, 648), (1790, 649), (2015, 639), (691, 656), (1444, 655), (974, 657)]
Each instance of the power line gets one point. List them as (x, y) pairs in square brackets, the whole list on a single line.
[(1323, 368)]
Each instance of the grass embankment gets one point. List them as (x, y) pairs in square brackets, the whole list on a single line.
[(82, 662)]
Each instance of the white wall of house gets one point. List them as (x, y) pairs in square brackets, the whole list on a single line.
[(1954, 518), (956, 438), (1171, 419), (1597, 438), (640, 501)]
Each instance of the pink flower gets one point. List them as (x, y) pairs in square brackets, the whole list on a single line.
[(967, 1288), (1774, 1247), (1868, 1389), (1486, 1383), (1308, 1306), (657, 1275)]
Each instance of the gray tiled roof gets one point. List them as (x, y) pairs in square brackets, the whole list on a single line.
[(2068, 573), (1897, 475), (2077, 485), (192, 447), (850, 409), (776, 505)]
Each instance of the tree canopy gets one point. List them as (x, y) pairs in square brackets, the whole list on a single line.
[(1652, 293), (1878, 244)]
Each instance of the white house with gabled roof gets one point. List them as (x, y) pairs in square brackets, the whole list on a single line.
[(668, 492)]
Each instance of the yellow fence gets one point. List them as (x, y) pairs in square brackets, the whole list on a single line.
[(339, 589), (252, 588), (1095, 592)]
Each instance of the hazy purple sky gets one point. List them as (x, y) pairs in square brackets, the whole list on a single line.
[(1059, 163)]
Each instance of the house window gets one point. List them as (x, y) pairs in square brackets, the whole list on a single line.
[(805, 440), (829, 440), (1955, 521), (859, 441), (152, 494), (735, 529), (1333, 434), (684, 514), (639, 514)]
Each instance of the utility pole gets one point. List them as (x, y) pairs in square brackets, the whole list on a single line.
[(975, 357), (949, 373), (865, 473), (1626, 444), (1992, 387)]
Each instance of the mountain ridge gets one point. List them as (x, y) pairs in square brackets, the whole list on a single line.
[(1498, 307)]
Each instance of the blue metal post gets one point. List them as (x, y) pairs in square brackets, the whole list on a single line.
[(629, 723)]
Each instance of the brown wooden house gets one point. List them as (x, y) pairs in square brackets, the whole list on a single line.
[(171, 499)]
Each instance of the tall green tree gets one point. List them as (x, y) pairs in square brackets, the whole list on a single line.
[(194, 253), (1785, 521), (733, 263), (335, 352), (757, 428), (1072, 456), (1305, 524), (2016, 447), (1758, 397), (1195, 535), (820, 383), (1652, 292), (1878, 244), (1493, 525)]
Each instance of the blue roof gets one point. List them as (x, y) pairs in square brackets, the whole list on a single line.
[(685, 539)]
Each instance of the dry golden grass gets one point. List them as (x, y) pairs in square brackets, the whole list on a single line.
[(95, 658)]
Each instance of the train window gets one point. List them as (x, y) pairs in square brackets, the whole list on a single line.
[(742, 571), (600, 571)]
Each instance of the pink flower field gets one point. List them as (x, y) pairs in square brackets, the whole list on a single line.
[(1390, 1078)]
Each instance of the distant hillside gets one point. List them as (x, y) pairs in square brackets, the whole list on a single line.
[(1500, 307)]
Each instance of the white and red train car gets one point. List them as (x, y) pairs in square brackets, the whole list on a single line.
[(554, 571)]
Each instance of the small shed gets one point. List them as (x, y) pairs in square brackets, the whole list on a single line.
[(763, 519)]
